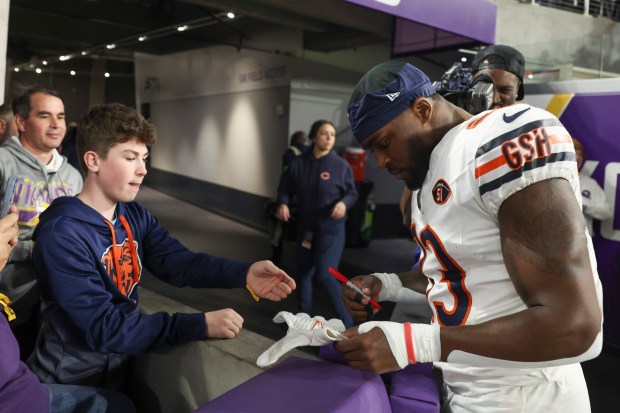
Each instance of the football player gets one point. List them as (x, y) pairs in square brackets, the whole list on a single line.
[(507, 264)]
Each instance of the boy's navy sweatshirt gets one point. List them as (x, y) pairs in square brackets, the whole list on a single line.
[(91, 317), (319, 184)]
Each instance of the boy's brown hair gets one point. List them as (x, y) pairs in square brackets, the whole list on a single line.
[(104, 126)]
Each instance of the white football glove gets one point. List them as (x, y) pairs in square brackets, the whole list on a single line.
[(303, 330)]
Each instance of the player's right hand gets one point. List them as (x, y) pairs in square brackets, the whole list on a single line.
[(224, 323), (369, 351), (359, 307)]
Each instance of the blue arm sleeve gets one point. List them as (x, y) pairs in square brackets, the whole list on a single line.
[(168, 259)]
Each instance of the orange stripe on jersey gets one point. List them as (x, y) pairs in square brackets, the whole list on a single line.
[(501, 160), (560, 139), (478, 121), (489, 166)]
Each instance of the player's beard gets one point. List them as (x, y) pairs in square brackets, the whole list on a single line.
[(419, 160)]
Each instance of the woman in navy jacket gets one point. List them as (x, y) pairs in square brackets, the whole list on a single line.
[(325, 189)]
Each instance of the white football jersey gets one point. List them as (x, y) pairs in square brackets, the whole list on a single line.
[(474, 168)]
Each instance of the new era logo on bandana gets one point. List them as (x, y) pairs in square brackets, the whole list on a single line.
[(392, 96)]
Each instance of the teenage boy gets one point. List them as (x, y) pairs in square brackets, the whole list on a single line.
[(89, 254), (20, 389)]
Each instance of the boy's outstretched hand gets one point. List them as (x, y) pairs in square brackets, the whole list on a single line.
[(268, 281)]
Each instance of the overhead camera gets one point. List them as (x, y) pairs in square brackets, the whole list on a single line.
[(458, 86)]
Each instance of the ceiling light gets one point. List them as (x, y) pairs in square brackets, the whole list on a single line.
[(16, 69), (107, 74), (182, 28), (72, 72), (230, 15), (463, 59), (64, 57), (44, 62), (468, 51), (38, 70), (110, 46), (84, 53), (142, 38), (530, 76)]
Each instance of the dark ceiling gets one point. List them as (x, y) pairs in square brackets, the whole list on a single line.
[(45, 30)]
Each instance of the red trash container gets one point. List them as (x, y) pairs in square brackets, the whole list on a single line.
[(356, 157)]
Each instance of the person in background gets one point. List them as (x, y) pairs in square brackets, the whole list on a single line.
[(43, 175), (506, 66), (8, 127), (89, 254), (325, 189), (508, 266), (298, 145), (593, 200), (69, 146), (20, 389)]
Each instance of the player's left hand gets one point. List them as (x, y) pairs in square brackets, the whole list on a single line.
[(370, 351), (268, 281)]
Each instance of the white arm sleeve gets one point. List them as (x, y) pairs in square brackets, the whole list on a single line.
[(392, 288)]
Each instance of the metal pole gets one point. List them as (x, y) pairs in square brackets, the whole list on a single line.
[(4, 32), (602, 54)]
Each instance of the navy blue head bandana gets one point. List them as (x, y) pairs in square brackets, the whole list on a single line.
[(383, 94)]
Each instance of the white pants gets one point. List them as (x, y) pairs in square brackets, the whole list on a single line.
[(559, 389)]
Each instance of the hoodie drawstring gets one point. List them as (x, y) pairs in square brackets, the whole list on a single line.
[(115, 254)]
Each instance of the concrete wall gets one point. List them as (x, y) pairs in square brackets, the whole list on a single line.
[(224, 118), (181, 379), (549, 37)]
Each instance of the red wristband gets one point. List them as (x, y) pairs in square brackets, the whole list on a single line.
[(409, 344)]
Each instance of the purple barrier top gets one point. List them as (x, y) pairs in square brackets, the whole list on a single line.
[(305, 386), (474, 19), (412, 390)]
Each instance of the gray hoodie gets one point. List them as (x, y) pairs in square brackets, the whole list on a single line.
[(37, 186)]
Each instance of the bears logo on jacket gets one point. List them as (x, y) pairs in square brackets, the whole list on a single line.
[(126, 284)]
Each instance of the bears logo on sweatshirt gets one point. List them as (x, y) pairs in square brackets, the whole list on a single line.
[(125, 280)]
